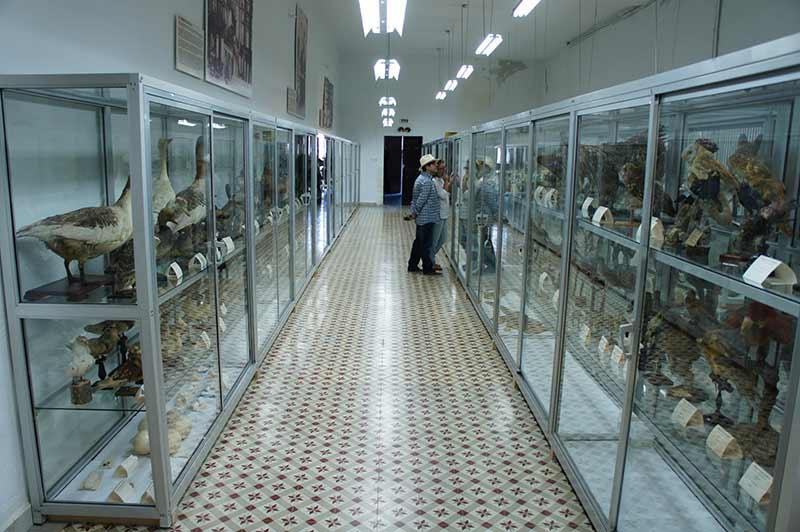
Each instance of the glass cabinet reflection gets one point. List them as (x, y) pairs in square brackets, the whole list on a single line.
[(282, 217), (600, 290), (266, 274), (515, 177), (545, 238)]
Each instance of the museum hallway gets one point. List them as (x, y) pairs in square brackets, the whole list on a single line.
[(382, 406)]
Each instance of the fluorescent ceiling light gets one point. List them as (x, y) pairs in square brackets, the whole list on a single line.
[(489, 44), (394, 69), (464, 72), (451, 85), (395, 16), (387, 100), (388, 122), (217, 126), (441, 95), (524, 7), (387, 112), (184, 122), (370, 16), (386, 68)]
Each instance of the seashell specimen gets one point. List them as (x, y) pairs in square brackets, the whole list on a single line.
[(141, 443)]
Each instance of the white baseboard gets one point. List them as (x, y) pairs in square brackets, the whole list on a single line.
[(20, 521)]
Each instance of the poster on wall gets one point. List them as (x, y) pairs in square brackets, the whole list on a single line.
[(189, 56), (326, 113), (229, 39), (296, 96)]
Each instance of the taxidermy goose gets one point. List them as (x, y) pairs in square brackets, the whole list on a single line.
[(85, 233), (163, 193), (191, 201)]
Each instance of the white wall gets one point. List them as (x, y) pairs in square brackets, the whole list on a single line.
[(82, 36), (666, 35)]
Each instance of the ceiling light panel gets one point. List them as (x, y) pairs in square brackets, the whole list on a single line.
[(451, 85), (395, 16), (370, 16), (524, 8), (489, 44), (464, 72)]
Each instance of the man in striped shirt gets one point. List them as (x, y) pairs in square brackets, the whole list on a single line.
[(425, 211)]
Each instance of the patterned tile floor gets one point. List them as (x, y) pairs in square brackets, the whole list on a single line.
[(382, 406)]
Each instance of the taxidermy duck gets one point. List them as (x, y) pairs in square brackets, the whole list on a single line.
[(191, 201), (709, 181), (129, 371), (163, 193), (86, 233)]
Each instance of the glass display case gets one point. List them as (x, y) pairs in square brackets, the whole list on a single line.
[(512, 264), (146, 250), (657, 282)]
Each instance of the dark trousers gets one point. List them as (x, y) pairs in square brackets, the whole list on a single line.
[(422, 249)]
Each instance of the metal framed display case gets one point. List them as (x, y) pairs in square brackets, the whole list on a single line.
[(191, 228), (657, 356)]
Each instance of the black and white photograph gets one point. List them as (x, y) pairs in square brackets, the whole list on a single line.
[(229, 38), (296, 102), (326, 113)]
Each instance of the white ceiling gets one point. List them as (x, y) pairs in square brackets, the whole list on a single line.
[(540, 35)]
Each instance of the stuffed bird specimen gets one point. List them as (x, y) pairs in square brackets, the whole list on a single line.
[(129, 371), (86, 233), (191, 201), (709, 181), (163, 193)]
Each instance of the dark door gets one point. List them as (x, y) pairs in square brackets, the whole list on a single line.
[(412, 151), (392, 165)]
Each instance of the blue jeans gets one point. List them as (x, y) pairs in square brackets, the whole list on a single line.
[(439, 236), (422, 248)]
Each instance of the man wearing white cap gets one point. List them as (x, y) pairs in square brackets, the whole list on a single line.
[(425, 211)]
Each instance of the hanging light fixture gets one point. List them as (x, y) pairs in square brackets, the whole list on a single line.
[(388, 122), (387, 101), (370, 16), (466, 70), (386, 69), (441, 95), (387, 112), (492, 40), (451, 84), (524, 8), (395, 16)]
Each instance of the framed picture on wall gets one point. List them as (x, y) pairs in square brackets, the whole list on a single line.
[(326, 113), (296, 100), (229, 45)]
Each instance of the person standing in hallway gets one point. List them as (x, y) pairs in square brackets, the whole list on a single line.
[(442, 183), (425, 211)]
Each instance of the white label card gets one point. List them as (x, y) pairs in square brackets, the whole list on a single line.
[(757, 483), (543, 280), (223, 309), (602, 216), (206, 339), (538, 194), (125, 492), (127, 467), (586, 334), (618, 355), (587, 203), (555, 300), (722, 444), (769, 272), (256, 226), (175, 273), (694, 238), (603, 346), (198, 262), (687, 415), (222, 326), (229, 245)]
